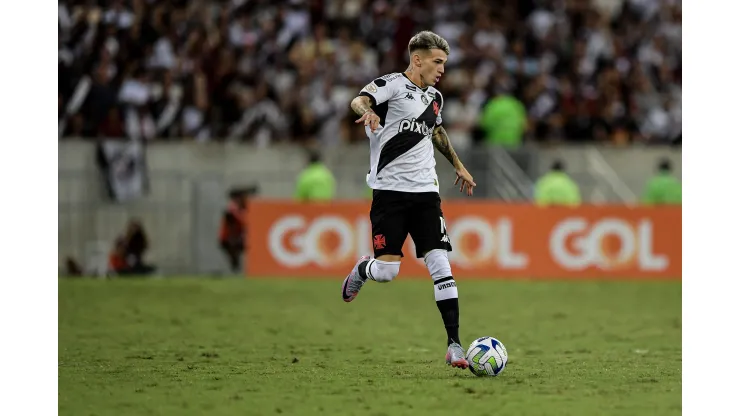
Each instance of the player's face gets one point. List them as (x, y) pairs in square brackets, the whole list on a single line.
[(433, 66)]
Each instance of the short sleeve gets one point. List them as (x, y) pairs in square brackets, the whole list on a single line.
[(379, 91)]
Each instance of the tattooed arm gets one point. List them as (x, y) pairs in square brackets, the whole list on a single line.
[(362, 106), (442, 143)]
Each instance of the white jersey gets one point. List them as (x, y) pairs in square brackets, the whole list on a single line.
[(401, 149)]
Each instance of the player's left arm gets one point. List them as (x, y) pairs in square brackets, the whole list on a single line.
[(442, 143)]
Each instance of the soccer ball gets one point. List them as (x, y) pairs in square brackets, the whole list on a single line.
[(487, 357)]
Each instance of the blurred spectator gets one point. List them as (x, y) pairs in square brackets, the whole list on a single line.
[(233, 229), (504, 120), (231, 232), (663, 188), (580, 127), (315, 182), (557, 188), (263, 71), (117, 258), (127, 255)]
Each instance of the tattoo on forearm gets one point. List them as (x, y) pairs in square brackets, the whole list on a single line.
[(361, 105), (442, 143)]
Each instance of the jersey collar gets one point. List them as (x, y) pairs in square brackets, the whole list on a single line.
[(412, 82)]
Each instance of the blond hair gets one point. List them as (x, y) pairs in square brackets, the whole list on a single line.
[(428, 40)]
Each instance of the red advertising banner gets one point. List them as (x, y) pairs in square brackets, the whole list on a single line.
[(489, 240)]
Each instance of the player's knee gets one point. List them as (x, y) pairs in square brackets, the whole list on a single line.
[(438, 264), (386, 270)]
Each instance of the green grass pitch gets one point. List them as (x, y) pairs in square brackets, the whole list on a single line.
[(292, 347)]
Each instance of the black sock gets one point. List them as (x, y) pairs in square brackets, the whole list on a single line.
[(362, 269), (450, 311)]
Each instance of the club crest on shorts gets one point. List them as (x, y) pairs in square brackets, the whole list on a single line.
[(371, 87), (379, 241)]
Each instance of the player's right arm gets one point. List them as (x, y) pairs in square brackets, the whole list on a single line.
[(362, 106), (374, 94)]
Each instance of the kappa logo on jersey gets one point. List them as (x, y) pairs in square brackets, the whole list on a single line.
[(415, 127), (409, 96)]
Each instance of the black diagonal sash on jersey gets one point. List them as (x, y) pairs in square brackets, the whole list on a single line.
[(406, 140)]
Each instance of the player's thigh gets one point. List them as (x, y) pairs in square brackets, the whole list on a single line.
[(389, 225), (427, 225)]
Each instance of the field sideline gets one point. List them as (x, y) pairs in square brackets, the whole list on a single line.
[(292, 347)]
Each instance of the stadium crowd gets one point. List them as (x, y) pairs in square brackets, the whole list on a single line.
[(267, 70)]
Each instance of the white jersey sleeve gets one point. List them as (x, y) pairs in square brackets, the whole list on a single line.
[(381, 90)]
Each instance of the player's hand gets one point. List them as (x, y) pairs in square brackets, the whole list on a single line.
[(370, 119), (465, 180)]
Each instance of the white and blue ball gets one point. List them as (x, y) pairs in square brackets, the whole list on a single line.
[(487, 357)]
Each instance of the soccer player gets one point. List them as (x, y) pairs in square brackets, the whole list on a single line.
[(402, 115)]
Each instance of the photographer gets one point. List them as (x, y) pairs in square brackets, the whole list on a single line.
[(233, 227), (127, 255)]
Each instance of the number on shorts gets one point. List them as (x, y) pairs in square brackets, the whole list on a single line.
[(443, 229), (442, 226)]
